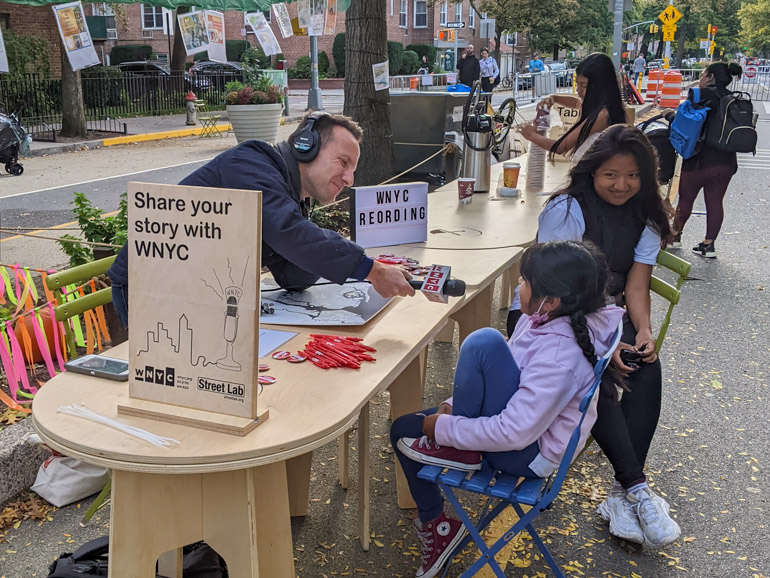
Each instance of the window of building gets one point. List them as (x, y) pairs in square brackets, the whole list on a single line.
[(471, 18), (5, 19), (458, 12), (104, 9), (484, 15), (152, 17), (403, 14), (420, 13), (391, 7), (442, 13)]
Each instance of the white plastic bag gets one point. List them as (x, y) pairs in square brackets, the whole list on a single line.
[(62, 480)]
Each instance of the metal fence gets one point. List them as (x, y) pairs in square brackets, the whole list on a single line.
[(107, 98)]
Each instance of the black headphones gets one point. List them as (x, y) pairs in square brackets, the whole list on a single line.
[(307, 142)]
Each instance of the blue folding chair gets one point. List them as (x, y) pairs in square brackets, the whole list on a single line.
[(536, 492)]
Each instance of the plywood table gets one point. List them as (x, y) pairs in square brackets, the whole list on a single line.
[(236, 493)]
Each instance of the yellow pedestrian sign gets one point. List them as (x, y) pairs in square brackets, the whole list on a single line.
[(670, 15)]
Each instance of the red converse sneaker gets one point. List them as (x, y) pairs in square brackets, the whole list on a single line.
[(439, 539), (429, 452)]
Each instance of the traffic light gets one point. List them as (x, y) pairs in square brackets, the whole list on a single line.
[(713, 31), (654, 28), (446, 35)]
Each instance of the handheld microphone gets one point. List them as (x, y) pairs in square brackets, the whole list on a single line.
[(437, 286)]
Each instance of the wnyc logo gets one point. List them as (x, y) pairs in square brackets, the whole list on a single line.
[(157, 375)]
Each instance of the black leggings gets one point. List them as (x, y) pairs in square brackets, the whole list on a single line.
[(624, 430)]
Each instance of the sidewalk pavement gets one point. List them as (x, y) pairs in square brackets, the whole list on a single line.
[(147, 128)]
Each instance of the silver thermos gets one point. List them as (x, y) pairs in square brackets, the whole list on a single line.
[(477, 142)]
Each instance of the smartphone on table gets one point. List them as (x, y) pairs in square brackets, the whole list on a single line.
[(100, 366)]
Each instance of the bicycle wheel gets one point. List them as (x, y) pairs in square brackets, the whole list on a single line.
[(503, 119), (507, 83)]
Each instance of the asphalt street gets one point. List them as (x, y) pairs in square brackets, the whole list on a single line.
[(709, 458)]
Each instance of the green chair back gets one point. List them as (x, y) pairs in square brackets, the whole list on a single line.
[(67, 309), (670, 293)]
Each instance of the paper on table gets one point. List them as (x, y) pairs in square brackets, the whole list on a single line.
[(270, 339)]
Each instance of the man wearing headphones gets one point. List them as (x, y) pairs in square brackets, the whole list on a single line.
[(317, 162)]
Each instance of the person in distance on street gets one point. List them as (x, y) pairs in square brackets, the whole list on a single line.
[(517, 402), (317, 162), (468, 67)]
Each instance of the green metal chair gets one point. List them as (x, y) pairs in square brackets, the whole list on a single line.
[(670, 293), (71, 308)]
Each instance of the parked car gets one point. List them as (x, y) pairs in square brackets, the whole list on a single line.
[(525, 79), (653, 65), (156, 69), (217, 74), (563, 73)]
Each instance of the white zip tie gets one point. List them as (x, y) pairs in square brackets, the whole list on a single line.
[(82, 411)]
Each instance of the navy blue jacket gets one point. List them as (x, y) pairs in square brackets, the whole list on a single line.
[(296, 251)]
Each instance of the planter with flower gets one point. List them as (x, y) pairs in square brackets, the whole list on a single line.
[(254, 109)]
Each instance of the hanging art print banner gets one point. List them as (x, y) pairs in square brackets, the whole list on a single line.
[(215, 24), (303, 13), (74, 35), (3, 55), (317, 17), (331, 17), (194, 34), (281, 13), (264, 33)]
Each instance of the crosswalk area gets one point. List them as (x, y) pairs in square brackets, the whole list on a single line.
[(759, 162)]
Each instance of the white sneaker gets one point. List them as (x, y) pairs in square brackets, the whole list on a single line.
[(658, 527), (619, 512)]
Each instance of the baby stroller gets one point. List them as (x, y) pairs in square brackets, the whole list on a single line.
[(14, 141), (657, 130)]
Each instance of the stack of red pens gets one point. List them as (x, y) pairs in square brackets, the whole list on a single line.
[(331, 351)]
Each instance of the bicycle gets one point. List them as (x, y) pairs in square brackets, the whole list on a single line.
[(507, 81)]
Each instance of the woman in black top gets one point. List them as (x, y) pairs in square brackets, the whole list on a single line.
[(710, 169)]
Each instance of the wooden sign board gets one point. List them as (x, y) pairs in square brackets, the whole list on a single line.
[(389, 215), (194, 264)]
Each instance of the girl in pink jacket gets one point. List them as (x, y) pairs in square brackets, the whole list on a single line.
[(516, 403)]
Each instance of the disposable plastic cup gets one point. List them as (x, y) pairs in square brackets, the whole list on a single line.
[(511, 174)]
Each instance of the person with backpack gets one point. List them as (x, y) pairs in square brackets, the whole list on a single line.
[(712, 167)]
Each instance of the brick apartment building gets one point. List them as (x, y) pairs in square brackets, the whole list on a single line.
[(409, 22)]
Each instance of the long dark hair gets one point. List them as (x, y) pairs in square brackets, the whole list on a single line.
[(577, 273), (602, 92), (617, 141)]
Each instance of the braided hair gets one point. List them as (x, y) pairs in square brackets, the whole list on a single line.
[(577, 273)]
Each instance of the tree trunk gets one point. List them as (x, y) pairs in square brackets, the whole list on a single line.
[(496, 53), (682, 33), (179, 56), (366, 36), (73, 113), (555, 51)]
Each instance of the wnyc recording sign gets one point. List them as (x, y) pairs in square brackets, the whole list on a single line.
[(389, 215)]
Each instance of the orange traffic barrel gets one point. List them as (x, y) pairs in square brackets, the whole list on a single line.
[(414, 82), (654, 84), (671, 93)]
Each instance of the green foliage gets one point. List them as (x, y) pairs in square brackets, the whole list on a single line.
[(410, 62), (260, 91), (755, 27), (129, 53), (395, 56), (255, 57), (112, 230), (302, 68), (234, 49), (323, 63), (26, 54), (201, 56), (338, 52), (424, 50)]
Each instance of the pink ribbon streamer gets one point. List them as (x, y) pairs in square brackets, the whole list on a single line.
[(5, 358), (16, 281), (42, 344), (56, 345), (18, 358)]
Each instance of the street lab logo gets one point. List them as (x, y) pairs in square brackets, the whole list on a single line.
[(158, 375)]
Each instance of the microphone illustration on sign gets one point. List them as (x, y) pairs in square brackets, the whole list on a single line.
[(233, 296)]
